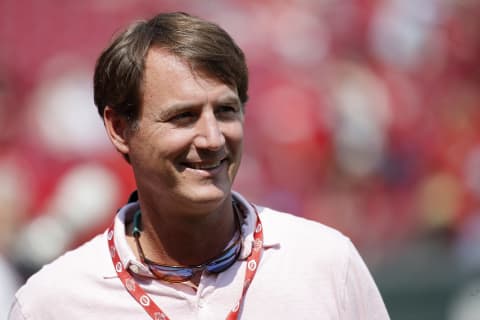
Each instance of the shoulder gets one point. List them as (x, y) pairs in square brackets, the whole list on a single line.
[(298, 239), (328, 257), (80, 262), (286, 230), (58, 281)]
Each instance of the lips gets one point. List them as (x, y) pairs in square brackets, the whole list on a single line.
[(206, 166)]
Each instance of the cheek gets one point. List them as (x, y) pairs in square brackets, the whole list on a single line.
[(235, 134), (235, 146), (167, 143)]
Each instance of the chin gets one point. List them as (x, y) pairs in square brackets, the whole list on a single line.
[(209, 195)]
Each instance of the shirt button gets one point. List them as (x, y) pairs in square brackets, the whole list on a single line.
[(201, 304)]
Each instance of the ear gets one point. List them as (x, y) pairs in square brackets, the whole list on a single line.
[(117, 130)]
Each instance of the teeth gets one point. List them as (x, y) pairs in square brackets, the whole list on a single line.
[(200, 166)]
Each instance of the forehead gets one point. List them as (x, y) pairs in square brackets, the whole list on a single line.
[(159, 60), (167, 70)]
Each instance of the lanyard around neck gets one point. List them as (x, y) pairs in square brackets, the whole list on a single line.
[(151, 307)]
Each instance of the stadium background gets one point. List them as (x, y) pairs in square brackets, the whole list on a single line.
[(363, 114)]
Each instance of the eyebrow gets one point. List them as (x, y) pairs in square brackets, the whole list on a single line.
[(176, 108), (229, 99)]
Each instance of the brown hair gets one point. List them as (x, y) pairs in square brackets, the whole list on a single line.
[(204, 45)]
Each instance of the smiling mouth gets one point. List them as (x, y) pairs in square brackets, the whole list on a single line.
[(204, 166)]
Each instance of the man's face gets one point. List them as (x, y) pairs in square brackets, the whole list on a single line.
[(188, 144)]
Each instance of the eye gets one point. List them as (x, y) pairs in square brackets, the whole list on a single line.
[(227, 111), (183, 117)]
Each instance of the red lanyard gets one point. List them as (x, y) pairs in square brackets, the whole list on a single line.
[(151, 307)]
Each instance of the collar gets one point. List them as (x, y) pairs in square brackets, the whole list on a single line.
[(247, 215), (249, 220)]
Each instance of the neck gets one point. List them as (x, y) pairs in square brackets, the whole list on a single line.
[(178, 238)]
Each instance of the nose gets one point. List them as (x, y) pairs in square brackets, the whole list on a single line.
[(209, 134)]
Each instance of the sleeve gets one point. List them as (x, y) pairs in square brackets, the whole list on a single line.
[(16, 312), (361, 297)]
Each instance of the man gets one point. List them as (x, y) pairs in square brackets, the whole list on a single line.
[(171, 92)]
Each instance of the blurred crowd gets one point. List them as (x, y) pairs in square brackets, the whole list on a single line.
[(363, 114)]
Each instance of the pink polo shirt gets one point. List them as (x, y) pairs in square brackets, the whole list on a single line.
[(307, 271)]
